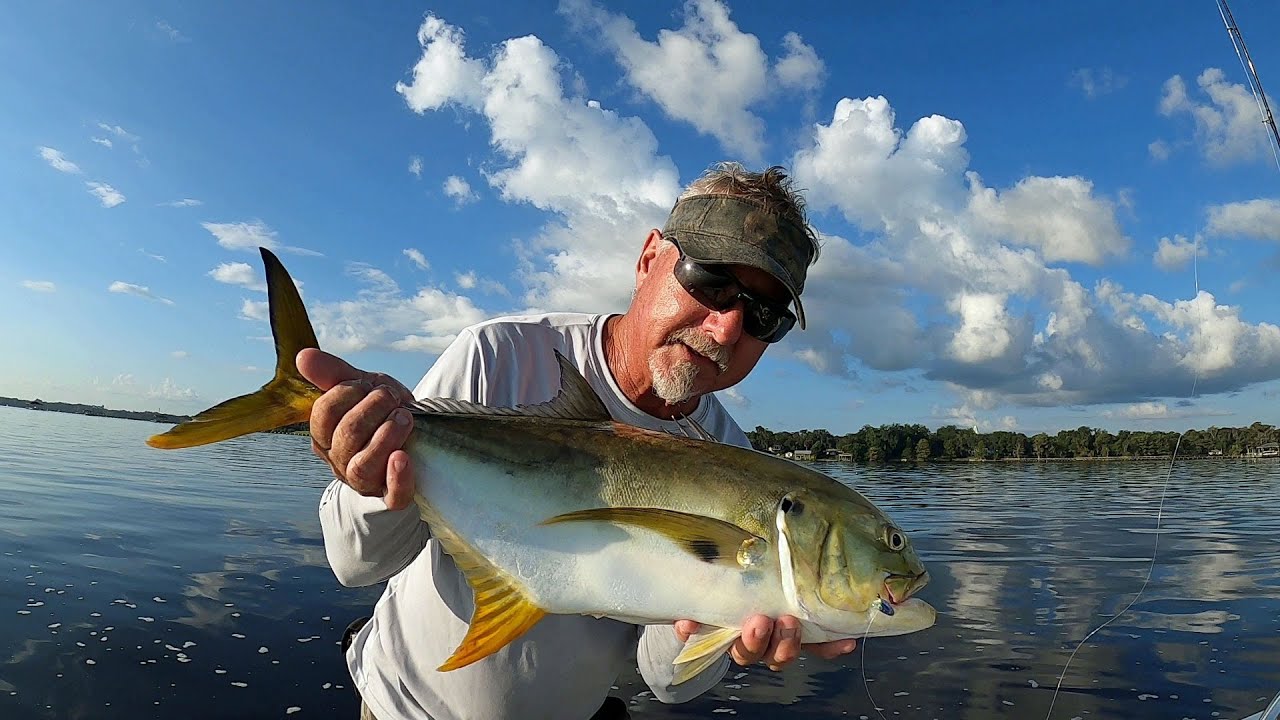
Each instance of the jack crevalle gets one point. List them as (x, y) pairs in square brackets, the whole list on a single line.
[(556, 508)]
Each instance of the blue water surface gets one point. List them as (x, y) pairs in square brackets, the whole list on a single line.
[(144, 583)]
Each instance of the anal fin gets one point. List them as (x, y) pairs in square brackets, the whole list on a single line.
[(702, 650), (503, 609)]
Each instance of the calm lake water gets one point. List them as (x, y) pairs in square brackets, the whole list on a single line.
[(193, 584)]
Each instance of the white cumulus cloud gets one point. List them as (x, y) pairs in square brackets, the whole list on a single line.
[(107, 195), (459, 190), (1059, 216), (1174, 253), (250, 236), (58, 161), (954, 280), (984, 332), (1096, 82), (418, 258), (597, 172), (137, 291), (170, 390), (44, 286), (239, 273), (708, 72), (1227, 125), (1258, 219), (800, 68), (257, 310)]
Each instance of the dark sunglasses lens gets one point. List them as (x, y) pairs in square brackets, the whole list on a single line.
[(767, 322), (715, 290)]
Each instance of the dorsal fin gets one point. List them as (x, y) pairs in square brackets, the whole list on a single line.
[(575, 401)]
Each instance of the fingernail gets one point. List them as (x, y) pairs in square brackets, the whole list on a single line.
[(397, 464), (787, 633), (849, 646), (400, 416), (761, 633)]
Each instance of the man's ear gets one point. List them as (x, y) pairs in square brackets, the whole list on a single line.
[(648, 255)]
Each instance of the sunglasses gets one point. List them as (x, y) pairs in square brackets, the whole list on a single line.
[(715, 288)]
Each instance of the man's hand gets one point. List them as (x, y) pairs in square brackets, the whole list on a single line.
[(775, 643), (359, 428)]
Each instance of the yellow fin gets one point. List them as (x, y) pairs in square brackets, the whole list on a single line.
[(702, 651), (285, 400), (710, 539), (503, 609)]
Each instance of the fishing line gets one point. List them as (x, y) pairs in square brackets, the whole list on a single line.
[(866, 685), (1164, 491)]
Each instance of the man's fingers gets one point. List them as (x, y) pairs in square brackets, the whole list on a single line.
[(324, 370), (402, 393), (400, 483), (330, 409), (360, 423), (830, 650), (370, 469), (748, 649), (784, 645), (685, 629)]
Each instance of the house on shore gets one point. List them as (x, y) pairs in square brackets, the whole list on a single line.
[(1264, 450)]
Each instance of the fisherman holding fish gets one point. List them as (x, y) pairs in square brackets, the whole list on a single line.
[(713, 289)]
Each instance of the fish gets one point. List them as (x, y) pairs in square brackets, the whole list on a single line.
[(556, 508)]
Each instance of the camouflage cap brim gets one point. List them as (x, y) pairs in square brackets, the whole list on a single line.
[(733, 230)]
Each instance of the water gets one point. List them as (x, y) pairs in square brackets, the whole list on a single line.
[(142, 583)]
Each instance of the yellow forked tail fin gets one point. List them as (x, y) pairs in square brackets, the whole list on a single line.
[(285, 400)]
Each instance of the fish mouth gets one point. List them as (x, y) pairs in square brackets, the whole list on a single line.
[(897, 588)]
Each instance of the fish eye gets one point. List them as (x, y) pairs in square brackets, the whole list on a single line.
[(894, 539)]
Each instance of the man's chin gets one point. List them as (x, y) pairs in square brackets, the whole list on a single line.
[(680, 381)]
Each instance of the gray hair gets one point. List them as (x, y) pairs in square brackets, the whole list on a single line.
[(772, 189)]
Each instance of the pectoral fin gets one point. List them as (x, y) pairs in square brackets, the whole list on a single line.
[(503, 609), (711, 540), (702, 651)]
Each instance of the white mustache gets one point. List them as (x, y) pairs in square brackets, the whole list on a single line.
[(703, 345)]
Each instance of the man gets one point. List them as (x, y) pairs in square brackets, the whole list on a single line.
[(712, 291)]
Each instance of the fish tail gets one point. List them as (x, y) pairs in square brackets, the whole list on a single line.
[(285, 400)]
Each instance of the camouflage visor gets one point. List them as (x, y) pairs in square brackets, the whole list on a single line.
[(725, 229)]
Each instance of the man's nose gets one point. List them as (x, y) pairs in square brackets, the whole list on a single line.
[(725, 326)]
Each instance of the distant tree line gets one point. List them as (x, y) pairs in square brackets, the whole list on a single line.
[(888, 443)]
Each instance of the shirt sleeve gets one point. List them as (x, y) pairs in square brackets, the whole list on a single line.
[(655, 658), (366, 543)]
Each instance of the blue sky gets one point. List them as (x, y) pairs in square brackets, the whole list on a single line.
[(1034, 217)]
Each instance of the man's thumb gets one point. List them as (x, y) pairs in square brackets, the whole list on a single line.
[(324, 370)]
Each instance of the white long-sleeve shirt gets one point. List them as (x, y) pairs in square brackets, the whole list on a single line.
[(563, 666)]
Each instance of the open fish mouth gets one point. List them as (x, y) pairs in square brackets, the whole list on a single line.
[(897, 588)]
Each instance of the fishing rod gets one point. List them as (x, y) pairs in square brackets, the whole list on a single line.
[(1255, 83)]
